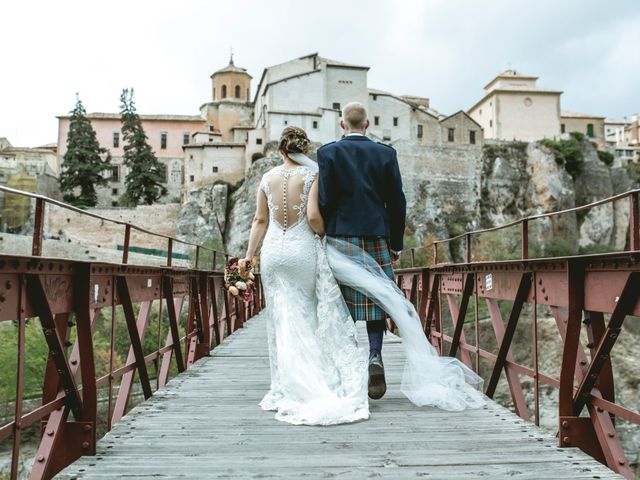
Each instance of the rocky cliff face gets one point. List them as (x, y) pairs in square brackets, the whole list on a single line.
[(449, 190)]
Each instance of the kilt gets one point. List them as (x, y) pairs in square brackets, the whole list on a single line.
[(360, 306)]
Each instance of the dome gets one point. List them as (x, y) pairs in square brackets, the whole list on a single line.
[(231, 68)]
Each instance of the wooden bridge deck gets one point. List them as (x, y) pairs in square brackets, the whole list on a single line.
[(206, 424)]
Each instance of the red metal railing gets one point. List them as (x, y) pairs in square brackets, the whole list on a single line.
[(69, 297), (591, 294), (524, 223)]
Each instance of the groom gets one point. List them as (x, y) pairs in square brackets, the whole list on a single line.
[(361, 201)]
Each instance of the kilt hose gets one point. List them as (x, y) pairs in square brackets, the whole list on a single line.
[(360, 306)]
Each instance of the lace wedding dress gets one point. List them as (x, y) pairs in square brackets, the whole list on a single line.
[(318, 371)]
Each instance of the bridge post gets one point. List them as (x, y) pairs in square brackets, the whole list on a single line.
[(127, 239), (38, 227), (525, 239), (634, 221)]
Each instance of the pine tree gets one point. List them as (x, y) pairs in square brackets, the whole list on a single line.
[(144, 178), (83, 164)]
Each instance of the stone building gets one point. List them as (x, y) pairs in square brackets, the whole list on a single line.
[(233, 129), (30, 169), (515, 108), (461, 129), (167, 134), (592, 126)]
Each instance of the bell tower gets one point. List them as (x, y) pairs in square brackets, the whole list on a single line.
[(231, 84)]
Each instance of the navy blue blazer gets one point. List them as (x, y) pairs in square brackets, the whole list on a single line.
[(360, 190)]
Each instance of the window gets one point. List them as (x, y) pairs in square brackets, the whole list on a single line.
[(163, 139), (562, 128), (114, 203), (395, 121), (163, 171), (419, 131), (191, 178), (214, 169), (116, 139), (336, 106), (286, 122), (376, 120), (211, 128), (224, 91), (386, 138), (590, 133), (472, 137), (114, 191), (185, 138), (451, 134), (237, 92), (491, 123), (115, 173), (375, 98), (315, 124), (258, 141), (480, 111), (214, 93)]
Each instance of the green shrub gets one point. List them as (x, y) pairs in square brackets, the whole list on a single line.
[(577, 136), (605, 157), (556, 247), (568, 153), (595, 249)]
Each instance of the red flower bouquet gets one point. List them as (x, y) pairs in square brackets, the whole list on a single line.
[(239, 278)]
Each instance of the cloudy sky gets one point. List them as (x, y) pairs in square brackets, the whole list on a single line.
[(442, 49)]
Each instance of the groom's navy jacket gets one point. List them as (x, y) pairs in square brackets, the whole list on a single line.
[(360, 190)]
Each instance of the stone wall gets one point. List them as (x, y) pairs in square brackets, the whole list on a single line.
[(80, 229)]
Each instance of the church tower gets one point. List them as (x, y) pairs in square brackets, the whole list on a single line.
[(231, 84)]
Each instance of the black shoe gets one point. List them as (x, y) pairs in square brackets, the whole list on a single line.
[(377, 384)]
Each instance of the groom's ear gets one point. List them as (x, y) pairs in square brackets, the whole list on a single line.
[(366, 125), (342, 125)]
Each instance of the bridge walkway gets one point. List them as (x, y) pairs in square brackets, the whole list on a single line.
[(206, 423)]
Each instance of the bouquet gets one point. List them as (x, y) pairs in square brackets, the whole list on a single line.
[(239, 278)]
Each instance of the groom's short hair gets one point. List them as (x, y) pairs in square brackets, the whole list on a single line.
[(354, 116)]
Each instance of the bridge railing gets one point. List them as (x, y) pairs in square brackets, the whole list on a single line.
[(103, 325), (565, 314)]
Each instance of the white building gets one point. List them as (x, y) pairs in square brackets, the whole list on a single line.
[(308, 92), (515, 108)]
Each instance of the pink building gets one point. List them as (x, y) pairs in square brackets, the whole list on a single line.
[(167, 135)]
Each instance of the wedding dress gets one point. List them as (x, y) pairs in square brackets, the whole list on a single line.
[(318, 371)]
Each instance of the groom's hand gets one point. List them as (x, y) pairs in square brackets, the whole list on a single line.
[(395, 256)]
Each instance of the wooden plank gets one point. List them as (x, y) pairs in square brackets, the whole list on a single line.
[(206, 423)]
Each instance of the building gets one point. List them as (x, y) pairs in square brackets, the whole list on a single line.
[(30, 169), (614, 131), (233, 129), (627, 147), (461, 129), (166, 134), (592, 126), (515, 108), (308, 92)]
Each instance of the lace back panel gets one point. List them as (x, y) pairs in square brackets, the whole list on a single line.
[(287, 191)]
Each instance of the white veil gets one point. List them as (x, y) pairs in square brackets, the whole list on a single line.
[(428, 379)]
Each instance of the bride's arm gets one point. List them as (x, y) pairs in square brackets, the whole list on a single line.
[(259, 225), (313, 211)]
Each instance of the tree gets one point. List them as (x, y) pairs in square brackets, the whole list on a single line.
[(83, 163), (145, 173)]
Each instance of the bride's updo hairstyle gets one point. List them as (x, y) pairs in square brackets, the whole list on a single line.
[(293, 140)]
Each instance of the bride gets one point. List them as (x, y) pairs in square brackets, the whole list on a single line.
[(318, 371)]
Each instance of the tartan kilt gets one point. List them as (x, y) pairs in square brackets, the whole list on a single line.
[(360, 306)]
